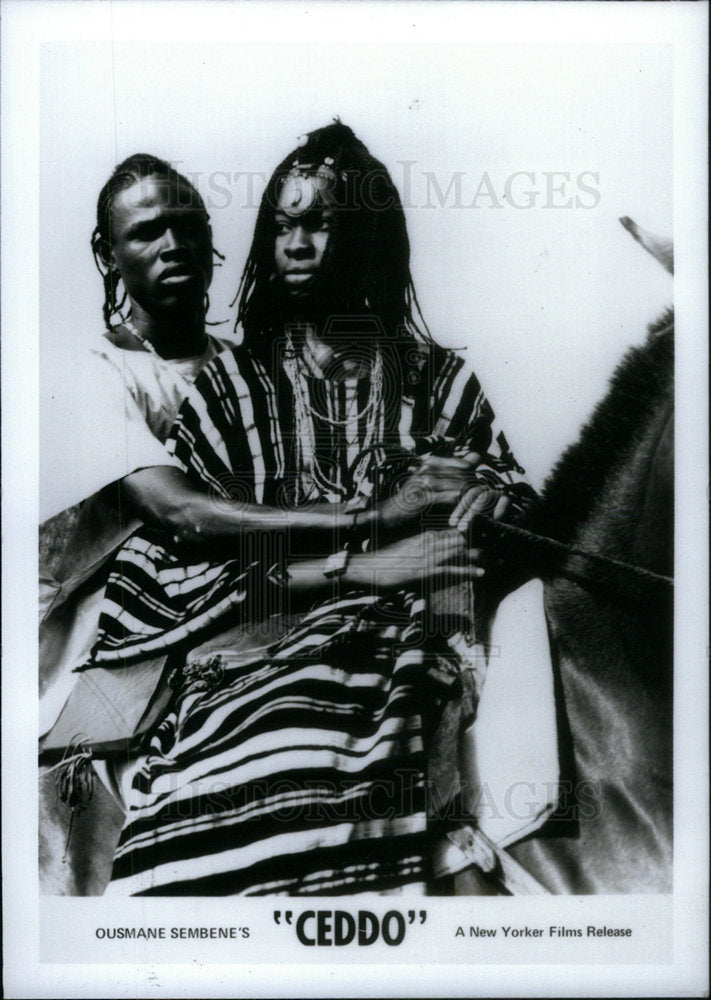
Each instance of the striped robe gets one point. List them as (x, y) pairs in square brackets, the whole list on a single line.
[(293, 761)]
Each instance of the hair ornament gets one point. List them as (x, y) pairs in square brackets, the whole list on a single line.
[(306, 186)]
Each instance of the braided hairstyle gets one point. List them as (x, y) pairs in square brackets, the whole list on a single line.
[(366, 265), (133, 169)]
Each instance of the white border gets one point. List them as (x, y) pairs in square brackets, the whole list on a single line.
[(25, 26)]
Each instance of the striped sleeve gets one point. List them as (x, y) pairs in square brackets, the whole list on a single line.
[(160, 593), (451, 413)]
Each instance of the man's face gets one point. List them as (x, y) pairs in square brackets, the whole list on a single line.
[(300, 244), (162, 245)]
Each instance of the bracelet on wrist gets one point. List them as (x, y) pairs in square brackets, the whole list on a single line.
[(337, 562)]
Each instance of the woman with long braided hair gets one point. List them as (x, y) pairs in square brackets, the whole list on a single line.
[(309, 672)]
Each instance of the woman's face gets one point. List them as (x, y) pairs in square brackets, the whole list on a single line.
[(303, 229)]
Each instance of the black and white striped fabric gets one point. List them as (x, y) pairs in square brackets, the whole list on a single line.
[(298, 768)]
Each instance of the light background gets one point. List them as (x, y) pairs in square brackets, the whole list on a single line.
[(546, 299), (538, 374)]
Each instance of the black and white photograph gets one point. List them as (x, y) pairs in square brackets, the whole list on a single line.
[(355, 522)]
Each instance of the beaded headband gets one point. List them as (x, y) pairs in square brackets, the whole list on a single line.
[(307, 185)]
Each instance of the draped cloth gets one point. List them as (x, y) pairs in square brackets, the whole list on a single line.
[(133, 397), (294, 758)]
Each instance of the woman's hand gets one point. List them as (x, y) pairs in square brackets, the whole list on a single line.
[(477, 501), (435, 486), (442, 557)]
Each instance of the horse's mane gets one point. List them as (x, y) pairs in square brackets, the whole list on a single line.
[(643, 379)]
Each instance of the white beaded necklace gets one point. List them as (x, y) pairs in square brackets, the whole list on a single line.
[(307, 459), (133, 329)]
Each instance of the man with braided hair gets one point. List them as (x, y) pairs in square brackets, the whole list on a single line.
[(153, 247), (349, 452)]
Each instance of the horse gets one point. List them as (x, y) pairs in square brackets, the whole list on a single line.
[(611, 630), (607, 508), (75, 847), (611, 627)]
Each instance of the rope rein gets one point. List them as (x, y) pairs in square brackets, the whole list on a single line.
[(545, 542), (404, 462)]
